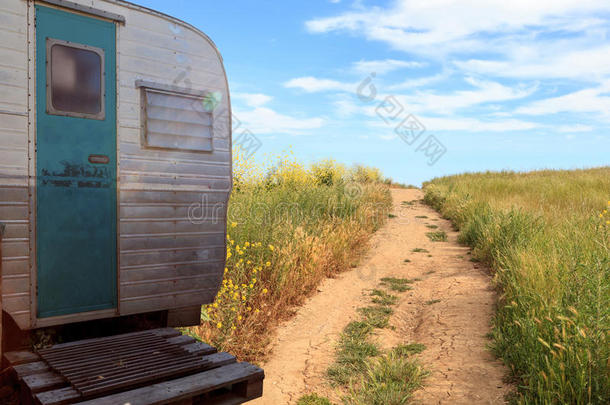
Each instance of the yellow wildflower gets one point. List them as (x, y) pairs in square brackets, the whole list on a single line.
[(219, 325)]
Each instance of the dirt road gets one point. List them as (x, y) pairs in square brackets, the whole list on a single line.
[(449, 311)]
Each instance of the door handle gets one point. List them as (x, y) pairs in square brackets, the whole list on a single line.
[(99, 159)]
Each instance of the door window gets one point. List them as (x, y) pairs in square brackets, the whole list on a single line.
[(75, 80)]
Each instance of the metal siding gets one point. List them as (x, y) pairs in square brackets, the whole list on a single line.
[(153, 184), (14, 196), (168, 261)]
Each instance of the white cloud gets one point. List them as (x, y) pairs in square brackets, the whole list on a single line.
[(591, 100), (453, 123), (476, 125), (484, 92), (575, 128), (545, 60), (451, 24), (418, 82), (518, 38), (311, 84), (252, 99), (263, 120), (384, 66)]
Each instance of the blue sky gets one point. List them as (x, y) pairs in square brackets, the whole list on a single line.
[(498, 85)]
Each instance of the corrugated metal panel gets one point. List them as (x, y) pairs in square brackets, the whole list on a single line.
[(167, 259), (14, 197), (157, 187)]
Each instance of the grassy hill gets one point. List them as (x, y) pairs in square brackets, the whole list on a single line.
[(546, 235)]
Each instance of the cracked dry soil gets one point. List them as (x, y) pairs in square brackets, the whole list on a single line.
[(449, 310)]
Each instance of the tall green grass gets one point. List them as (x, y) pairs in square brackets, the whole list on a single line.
[(546, 236)]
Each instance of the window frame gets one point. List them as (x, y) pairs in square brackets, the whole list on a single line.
[(51, 109), (149, 87)]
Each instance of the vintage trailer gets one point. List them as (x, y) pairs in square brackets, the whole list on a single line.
[(115, 163)]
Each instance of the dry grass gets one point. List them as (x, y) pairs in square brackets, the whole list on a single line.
[(290, 227)]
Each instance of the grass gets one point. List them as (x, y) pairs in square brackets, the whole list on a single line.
[(389, 380), (546, 234), (391, 216), (407, 260), (289, 227), (396, 284), (372, 376), (313, 399), (378, 316), (352, 358), (438, 236), (383, 298), (431, 226), (408, 349), (421, 216), (419, 250), (430, 302)]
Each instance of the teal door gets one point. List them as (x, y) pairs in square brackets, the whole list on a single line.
[(75, 163)]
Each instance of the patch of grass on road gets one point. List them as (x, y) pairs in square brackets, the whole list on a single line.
[(313, 399), (377, 316), (383, 298), (409, 349), (431, 226), (389, 380), (420, 250), (438, 236), (430, 302), (354, 349), (396, 284)]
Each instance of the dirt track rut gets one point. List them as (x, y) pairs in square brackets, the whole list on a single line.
[(449, 311)]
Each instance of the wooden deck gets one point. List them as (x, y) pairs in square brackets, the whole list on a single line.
[(159, 366)]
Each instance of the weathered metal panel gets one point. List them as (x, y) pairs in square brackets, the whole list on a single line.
[(14, 197), (164, 195), (134, 305), (172, 202)]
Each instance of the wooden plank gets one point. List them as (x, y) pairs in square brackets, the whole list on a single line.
[(221, 359), (43, 381), (166, 332), (162, 332), (20, 357), (200, 348), (185, 387), (181, 340), (36, 367), (141, 376), (58, 396), (69, 395)]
